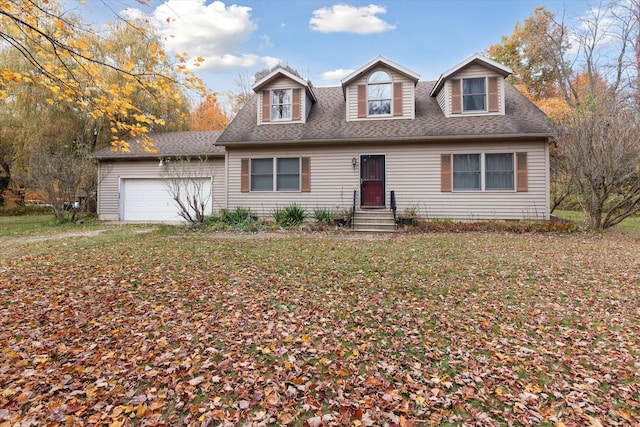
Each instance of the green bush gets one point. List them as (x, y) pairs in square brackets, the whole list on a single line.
[(323, 215), (240, 215), (240, 218), (289, 216)]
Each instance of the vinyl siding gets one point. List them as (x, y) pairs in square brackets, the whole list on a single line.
[(412, 171), (408, 96), (285, 83), (110, 174), (444, 97)]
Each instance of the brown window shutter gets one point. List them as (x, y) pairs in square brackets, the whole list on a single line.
[(305, 184), (493, 95), (397, 99), (362, 101), (244, 175), (522, 172), (295, 105), (445, 172), (266, 106), (456, 97)]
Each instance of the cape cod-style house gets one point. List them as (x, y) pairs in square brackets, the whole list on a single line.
[(468, 146)]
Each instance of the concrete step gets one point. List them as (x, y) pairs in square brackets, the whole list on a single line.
[(374, 221)]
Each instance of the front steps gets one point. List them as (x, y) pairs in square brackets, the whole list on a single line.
[(374, 221)]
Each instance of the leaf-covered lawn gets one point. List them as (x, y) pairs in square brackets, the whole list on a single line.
[(446, 329)]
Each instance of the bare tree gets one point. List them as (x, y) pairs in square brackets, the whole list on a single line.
[(189, 183), (600, 143), (60, 173)]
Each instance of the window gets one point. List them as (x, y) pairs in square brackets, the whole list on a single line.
[(499, 171), (281, 104), (490, 171), (474, 94), (287, 176), (379, 94), (466, 171), (261, 174)]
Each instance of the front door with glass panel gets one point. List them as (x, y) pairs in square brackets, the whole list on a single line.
[(372, 180)]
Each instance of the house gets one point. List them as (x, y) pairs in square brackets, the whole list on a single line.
[(467, 146)]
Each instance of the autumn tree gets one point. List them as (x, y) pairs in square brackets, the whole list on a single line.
[(68, 93), (585, 78), (62, 58), (208, 115), (536, 52)]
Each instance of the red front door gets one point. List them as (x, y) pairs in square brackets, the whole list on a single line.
[(372, 180)]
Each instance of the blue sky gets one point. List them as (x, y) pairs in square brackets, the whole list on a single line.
[(325, 40)]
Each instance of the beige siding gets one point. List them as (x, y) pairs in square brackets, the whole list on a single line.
[(111, 173), (444, 97), (408, 96), (285, 83), (444, 100), (412, 171)]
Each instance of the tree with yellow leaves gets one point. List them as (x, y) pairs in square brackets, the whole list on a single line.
[(66, 91), (63, 60)]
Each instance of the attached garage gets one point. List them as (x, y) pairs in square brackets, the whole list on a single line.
[(151, 199), (137, 186)]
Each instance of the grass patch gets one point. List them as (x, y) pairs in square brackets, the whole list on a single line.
[(629, 225), (25, 225)]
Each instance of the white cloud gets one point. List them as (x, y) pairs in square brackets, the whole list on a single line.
[(215, 32), (266, 41), (335, 75), (350, 19), (212, 29)]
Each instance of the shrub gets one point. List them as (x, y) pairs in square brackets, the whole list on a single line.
[(323, 215), (509, 226), (290, 216), (240, 218)]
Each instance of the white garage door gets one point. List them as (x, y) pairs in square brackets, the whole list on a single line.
[(149, 199)]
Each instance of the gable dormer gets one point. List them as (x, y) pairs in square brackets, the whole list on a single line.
[(283, 97), (473, 87), (379, 90)]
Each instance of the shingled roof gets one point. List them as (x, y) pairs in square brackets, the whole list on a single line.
[(327, 123), (170, 144)]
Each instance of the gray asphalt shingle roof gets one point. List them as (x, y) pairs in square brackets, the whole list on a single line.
[(170, 144), (327, 122)]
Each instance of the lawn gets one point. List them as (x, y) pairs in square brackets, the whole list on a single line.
[(629, 225), (172, 328)]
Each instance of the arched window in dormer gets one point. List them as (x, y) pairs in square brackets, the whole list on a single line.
[(379, 94)]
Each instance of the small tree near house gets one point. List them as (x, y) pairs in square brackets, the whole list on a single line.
[(188, 181), (600, 143)]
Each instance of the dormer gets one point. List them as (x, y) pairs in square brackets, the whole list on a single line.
[(283, 97), (474, 87), (380, 90)]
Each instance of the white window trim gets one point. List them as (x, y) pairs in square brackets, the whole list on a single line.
[(274, 175), (486, 97), (483, 171)]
